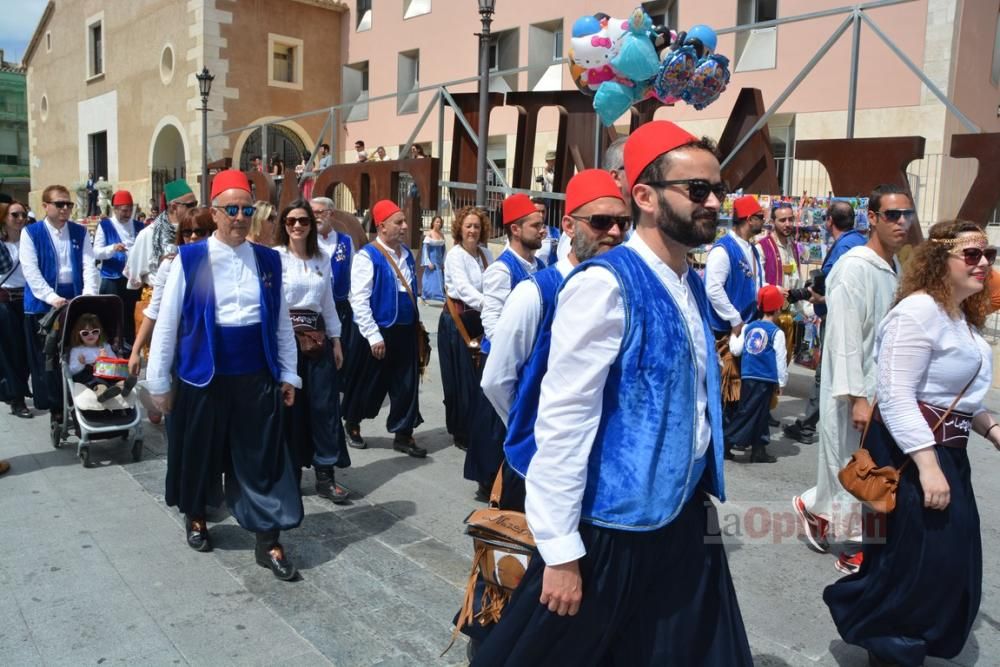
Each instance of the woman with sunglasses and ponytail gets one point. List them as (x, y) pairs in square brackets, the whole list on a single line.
[(312, 425), (920, 582), (13, 350)]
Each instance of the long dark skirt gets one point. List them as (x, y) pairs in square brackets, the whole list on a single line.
[(486, 435), (395, 376), (46, 385), (920, 584), (232, 428), (459, 376), (663, 597), (129, 297), (13, 353), (348, 330), (749, 425), (312, 425)]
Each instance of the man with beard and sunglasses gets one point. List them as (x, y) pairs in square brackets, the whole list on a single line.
[(860, 291), (628, 438)]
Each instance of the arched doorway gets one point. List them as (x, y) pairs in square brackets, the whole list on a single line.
[(169, 161), (280, 139)]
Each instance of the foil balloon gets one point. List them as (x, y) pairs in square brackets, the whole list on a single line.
[(707, 82), (611, 100), (675, 72), (577, 74), (636, 59), (592, 51)]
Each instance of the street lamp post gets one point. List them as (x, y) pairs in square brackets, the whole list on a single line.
[(205, 79), (486, 8)]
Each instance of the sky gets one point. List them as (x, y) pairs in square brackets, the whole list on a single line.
[(19, 20)]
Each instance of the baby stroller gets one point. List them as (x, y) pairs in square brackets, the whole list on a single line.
[(82, 414)]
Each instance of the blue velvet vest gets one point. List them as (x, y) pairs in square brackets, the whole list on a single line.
[(519, 446), (389, 305), (642, 466), (48, 262), (759, 362), (740, 286), (340, 264), (112, 267), (517, 274), (199, 337)]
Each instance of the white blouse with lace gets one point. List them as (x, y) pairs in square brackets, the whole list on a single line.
[(307, 285), (926, 355), (463, 275)]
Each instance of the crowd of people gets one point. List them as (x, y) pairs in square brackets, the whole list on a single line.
[(588, 370)]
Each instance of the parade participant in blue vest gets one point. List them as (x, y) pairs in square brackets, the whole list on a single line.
[(763, 371), (385, 310), (57, 258), (340, 248), (113, 240), (628, 440), (524, 224), (224, 330), (460, 327), (733, 275)]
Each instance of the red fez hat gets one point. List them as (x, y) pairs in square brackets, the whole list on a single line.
[(121, 198), (588, 185), (383, 209), (229, 179), (516, 207), (746, 206), (770, 299), (649, 142)]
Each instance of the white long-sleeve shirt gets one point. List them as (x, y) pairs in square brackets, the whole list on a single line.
[(926, 355), (159, 281), (515, 335), (716, 273), (463, 275), (587, 333), (237, 303), (61, 242), (126, 232), (140, 258), (307, 286), (16, 278), (778, 349), (496, 290), (362, 279)]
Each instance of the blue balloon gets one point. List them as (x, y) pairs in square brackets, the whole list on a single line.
[(705, 35), (586, 25), (637, 59), (611, 100)]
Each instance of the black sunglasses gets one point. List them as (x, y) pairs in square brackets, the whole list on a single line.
[(233, 210), (17, 215), (972, 256), (894, 214), (602, 222), (189, 204), (293, 221), (200, 232), (62, 204), (698, 188)]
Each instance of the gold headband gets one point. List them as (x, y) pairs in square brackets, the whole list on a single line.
[(977, 239)]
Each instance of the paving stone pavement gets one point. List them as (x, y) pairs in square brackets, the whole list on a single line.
[(95, 569)]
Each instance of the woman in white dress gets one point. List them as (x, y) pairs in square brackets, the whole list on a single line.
[(920, 583), (312, 424), (463, 286)]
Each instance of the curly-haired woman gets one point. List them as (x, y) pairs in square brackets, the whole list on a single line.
[(920, 583)]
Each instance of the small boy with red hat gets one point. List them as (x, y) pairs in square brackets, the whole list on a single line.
[(763, 371)]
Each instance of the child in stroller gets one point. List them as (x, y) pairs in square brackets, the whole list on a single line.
[(90, 349)]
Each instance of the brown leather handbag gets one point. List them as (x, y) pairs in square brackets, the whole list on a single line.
[(876, 486), (502, 548), (310, 332)]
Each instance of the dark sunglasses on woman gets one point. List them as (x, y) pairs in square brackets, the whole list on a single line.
[(972, 256), (195, 231), (292, 222), (602, 222)]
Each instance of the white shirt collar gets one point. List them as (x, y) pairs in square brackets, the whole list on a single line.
[(658, 265), (55, 230), (564, 266), (402, 248), (526, 263), (743, 244)]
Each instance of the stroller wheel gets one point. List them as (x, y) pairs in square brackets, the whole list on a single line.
[(137, 450), (55, 432), (85, 456)]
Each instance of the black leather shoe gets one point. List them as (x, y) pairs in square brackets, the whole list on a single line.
[(275, 560), (772, 422), (408, 446), (760, 455), (197, 534), (461, 444), (354, 438), (875, 661), (327, 487), (21, 410), (798, 434)]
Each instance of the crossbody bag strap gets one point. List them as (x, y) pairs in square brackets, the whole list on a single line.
[(11, 272), (459, 324), (399, 274)]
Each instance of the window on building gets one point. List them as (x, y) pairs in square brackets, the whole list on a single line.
[(413, 8), (545, 45), (995, 74), (663, 12), (285, 68), (503, 57), (407, 81), (756, 48), (354, 87), (781, 127), (97, 151), (95, 49), (363, 15)]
